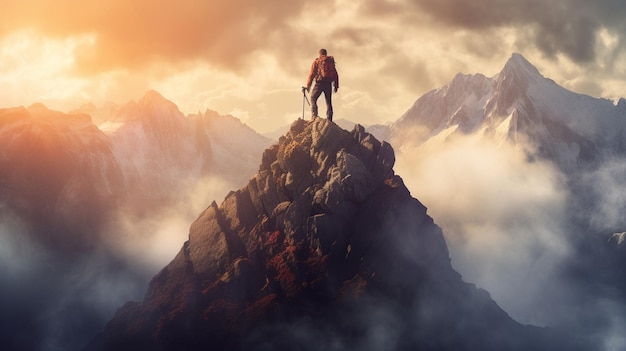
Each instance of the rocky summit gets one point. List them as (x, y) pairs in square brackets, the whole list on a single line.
[(324, 249)]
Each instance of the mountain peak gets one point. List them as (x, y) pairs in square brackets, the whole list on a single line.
[(519, 70), (152, 96), (152, 109), (325, 236), (153, 100), (517, 104), (519, 60), (512, 84)]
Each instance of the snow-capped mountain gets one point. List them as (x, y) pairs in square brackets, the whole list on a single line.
[(520, 105), (522, 173)]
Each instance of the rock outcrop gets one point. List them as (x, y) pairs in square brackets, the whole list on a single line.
[(323, 249)]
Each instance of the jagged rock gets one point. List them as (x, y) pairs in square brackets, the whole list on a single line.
[(321, 249), (209, 248)]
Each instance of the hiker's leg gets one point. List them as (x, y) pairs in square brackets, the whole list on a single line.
[(328, 94), (315, 94)]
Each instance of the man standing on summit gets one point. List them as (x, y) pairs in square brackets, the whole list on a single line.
[(324, 72)]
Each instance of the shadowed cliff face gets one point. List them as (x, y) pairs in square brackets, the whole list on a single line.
[(323, 249)]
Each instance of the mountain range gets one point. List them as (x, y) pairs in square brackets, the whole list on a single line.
[(61, 172), (322, 244), (521, 165), (75, 195), (519, 105)]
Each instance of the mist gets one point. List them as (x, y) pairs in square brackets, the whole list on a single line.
[(502, 217), (606, 189), (55, 299), (151, 239), (511, 222), (513, 227)]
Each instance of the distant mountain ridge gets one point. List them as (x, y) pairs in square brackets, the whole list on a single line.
[(519, 125), (519, 105), (58, 172), (163, 150), (74, 195), (58, 168)]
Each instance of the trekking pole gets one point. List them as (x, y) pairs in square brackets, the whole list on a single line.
[(303, 99)]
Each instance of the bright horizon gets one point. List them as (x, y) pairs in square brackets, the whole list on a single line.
[(250, 59)]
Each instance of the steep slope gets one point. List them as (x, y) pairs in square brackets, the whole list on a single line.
[(323, 249), (58, 172), (521, 106)]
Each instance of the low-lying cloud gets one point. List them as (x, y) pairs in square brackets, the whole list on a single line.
[(520, 229), (58, 300), (607, 191), (502, 216)]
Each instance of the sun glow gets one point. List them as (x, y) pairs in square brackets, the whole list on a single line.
[(32, 65)]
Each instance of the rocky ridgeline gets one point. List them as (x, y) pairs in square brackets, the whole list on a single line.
[(323, 249)]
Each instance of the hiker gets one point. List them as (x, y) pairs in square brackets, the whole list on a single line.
[(324, 72)]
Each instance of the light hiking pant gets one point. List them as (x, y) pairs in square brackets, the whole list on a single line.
[(319, 88)]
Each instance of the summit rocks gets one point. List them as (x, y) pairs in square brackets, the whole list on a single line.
[(324, 248)]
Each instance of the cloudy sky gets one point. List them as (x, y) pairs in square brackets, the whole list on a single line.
[(249, 58)]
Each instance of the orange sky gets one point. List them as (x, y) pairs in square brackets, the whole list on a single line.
[(249, 58)]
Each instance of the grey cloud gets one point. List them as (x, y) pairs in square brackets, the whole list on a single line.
[(130, 34), (555, 27), (558, 27)]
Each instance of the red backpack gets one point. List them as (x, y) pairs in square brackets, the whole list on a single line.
[(326, 68)]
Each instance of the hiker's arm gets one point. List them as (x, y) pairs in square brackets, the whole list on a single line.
[(336, 80)]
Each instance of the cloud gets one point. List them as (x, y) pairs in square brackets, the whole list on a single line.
[(606, 189), (151, 241), (58, 300), (520, 230), (555, 27), (234, 56), (129, 34), (52, 300), (503, 219)]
